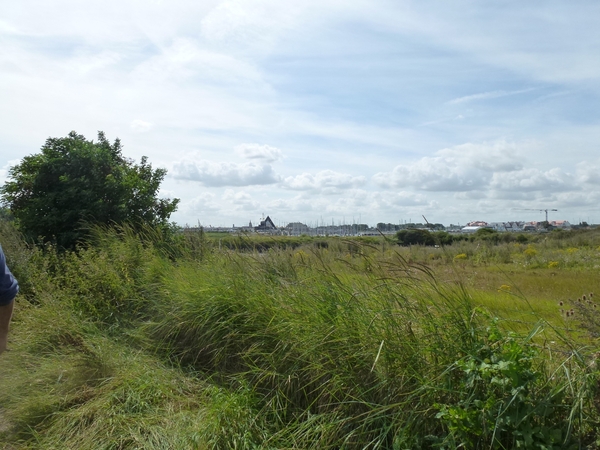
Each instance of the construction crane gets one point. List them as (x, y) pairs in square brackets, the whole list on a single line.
[(541, 210)]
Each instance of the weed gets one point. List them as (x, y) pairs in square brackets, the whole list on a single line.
[(136, 341), (500, 402)]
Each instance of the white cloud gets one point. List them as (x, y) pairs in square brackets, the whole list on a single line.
[(527, 180), (185, 60), (257, 151), (588, 199), (336, 84), (251, 23), (487, 96), (551, 43), (140, 126), (4, 170), (325, 180), (347, 206), (402, 199), (7, 28), (490, 157), (589, 172), (241, 200), (224, 174), (472, 195), (202, 206), (464, 167), (432, 174), (93, 62), (297, 206)]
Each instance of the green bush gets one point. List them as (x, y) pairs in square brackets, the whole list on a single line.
[(415, 237), (443, 238), (73, 183), (501, 401)]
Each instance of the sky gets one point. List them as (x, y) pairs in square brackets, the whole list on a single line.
[(321, 111)]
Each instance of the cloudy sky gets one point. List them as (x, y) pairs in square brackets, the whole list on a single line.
[(321, 110)]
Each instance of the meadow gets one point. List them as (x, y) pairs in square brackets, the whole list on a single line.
[(256, 342)]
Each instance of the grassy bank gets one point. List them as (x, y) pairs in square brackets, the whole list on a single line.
[(139, 343)]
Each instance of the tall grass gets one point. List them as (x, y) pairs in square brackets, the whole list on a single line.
[(136, 342)]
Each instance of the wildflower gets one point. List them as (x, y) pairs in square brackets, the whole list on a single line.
[(504, 288), (561, 303)]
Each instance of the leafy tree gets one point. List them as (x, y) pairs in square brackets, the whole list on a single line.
[(415, 237), (545, 225), (387, 226), (487, 234), (443, 238), (521, 238), (6, 215), (74, 183)]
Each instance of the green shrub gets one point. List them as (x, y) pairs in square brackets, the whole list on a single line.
[(415, 237), (501, 402), (443, 238)]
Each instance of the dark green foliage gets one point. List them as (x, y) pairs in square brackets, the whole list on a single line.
[(415, 237), (259, 243), (321, 244), (499, 402), (73, 183), (6, 215), (443, 238), (485, 232), (487, 235), (387, 226)]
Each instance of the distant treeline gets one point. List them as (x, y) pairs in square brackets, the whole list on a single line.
[(404, 237)]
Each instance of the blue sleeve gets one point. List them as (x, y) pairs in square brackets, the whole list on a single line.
[(8, 285)]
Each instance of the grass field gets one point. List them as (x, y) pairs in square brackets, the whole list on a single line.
[(213, 342)]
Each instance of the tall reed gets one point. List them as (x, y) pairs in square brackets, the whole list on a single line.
[(139, 343)]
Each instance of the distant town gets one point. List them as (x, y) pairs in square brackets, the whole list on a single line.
[(267, 226)]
